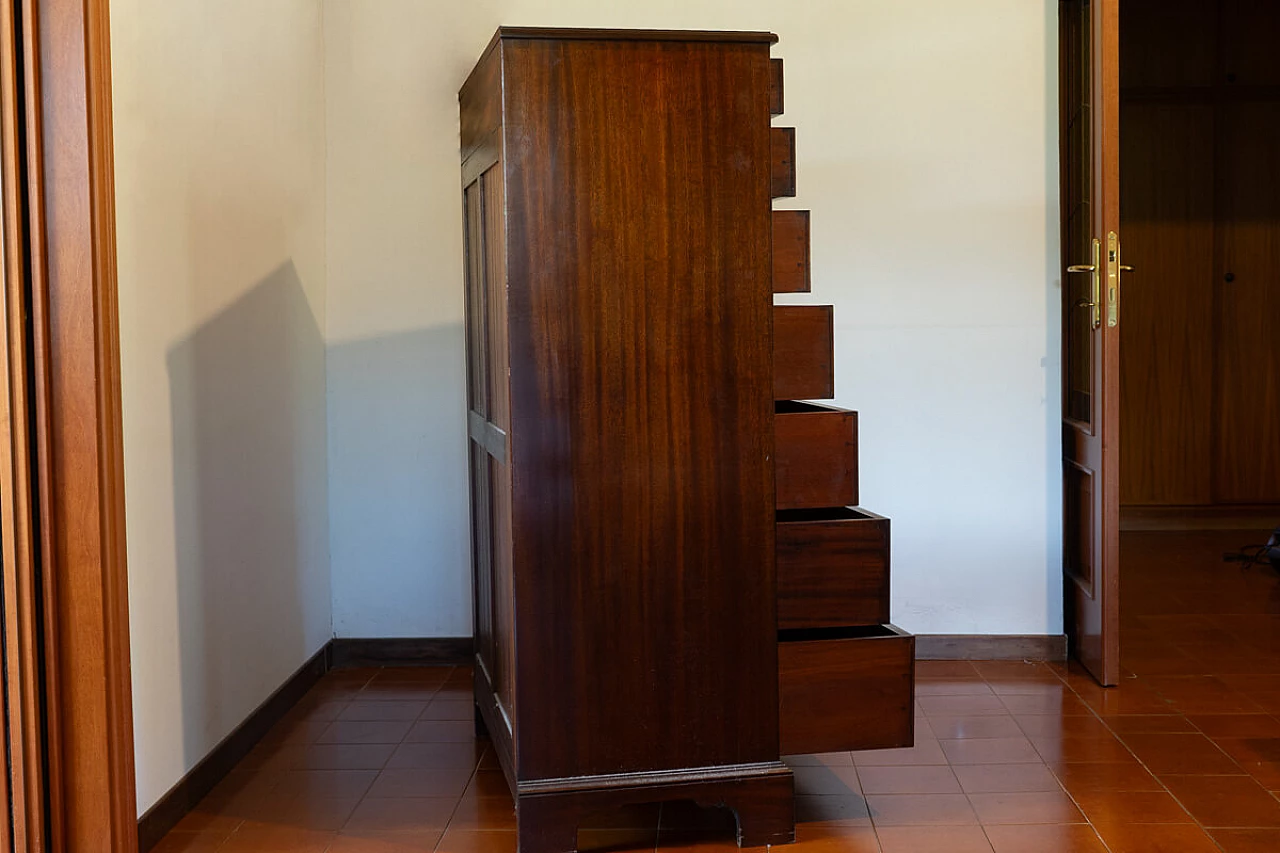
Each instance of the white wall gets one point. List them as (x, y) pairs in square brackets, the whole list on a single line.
[(927, 146), (220, 169), (291, 312)]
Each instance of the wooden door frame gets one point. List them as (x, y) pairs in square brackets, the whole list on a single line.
[(63, 457), (1105, 343)]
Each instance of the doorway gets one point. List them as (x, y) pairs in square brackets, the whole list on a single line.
[(1200, 359)]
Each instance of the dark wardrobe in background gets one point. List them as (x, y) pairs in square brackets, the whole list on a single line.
[(1200, 209), (672, 589)]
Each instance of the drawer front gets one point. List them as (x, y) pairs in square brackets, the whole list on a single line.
[(791, 251), (783, 180), (852, 691), (803, 358), (775, 87), (833, 568), (815, 456)]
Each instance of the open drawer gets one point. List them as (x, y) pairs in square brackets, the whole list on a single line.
[(833, 568), (816, 455), (846, 688)]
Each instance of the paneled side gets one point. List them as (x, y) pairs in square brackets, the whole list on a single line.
[(1166, 329), (783, 152), (1248, 446), (791, 251), (638, 184)]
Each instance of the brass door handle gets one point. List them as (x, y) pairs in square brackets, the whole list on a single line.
[(1126, 268), (1094, 303)]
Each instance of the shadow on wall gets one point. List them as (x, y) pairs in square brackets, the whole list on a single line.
[(399, 535), (250, 490)]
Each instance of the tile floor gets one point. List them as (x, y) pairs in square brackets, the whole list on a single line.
[(1010, 757)]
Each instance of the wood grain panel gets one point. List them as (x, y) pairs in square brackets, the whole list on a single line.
[(803, 352), (77, 374), (1168, 43), (833, 568), (817, 456), (775, 87), (480, 102), (1166, 329), (1248, 448), (641, 404), (1250, 34), (497, 357), (791, 251), (783, 146), (853, 691)]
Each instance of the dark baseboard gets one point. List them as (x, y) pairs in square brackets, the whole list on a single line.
[(410, 651), (192, 788), (1045, 647)]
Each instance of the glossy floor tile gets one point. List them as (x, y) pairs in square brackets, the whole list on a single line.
[(1010, 756)]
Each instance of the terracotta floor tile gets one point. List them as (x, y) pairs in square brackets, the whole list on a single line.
[(488, 813), (1084, 778), (1259, 757), (908, 780), (1125, 724), (924, 752), (1225, 800), (383, 711), (477, 841), (1045, 838), (439, 756), (834, 759), (1237, 725), (269, 838), (386, 842), (1181, 753), (826, 781), (1067, 704), (1070, 749), (190, 842), (933, 839), (343, 757), (1025, 807), (926, 669), (1005, 778), (1011, 750), (832, 839), (999, 670), (402, 814), (450, 709), (381, 691), (945, 687), (488, 783), (956, 728), (1157, 838), (954, 706), (421, 675), (1247, 840), (1203, 694), (328, 814), (1035, 725), (920, 810), (442, 731), (366, 731), (327, 783), (1109, 807), (417, 782), (832, 811)]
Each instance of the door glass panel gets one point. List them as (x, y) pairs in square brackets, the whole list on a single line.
[(1077, 218)]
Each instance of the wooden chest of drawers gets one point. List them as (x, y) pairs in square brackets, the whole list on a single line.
[(655, 511)]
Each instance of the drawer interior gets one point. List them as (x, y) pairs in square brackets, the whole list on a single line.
[(845, 688)]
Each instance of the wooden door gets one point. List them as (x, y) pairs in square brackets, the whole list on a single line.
[(1090, 114)]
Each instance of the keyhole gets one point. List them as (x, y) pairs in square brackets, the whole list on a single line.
[(1229, 277)]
